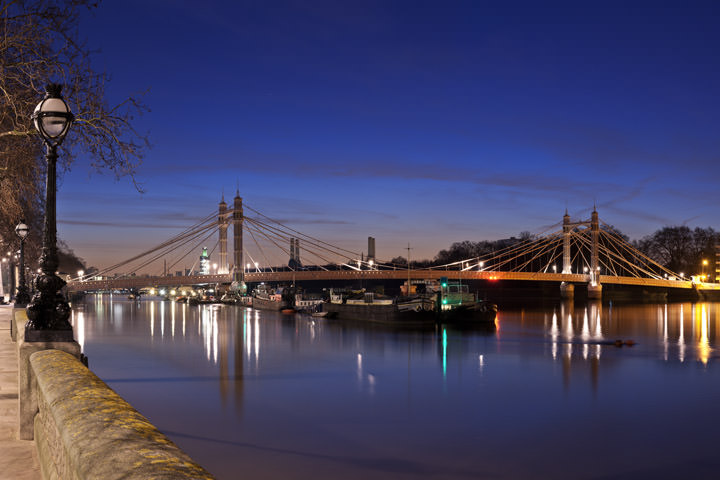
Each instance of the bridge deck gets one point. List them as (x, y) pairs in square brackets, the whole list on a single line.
[(287, 276)]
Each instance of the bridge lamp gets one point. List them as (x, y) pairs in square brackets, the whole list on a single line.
[(256, 266), (22, 297), (554, 268), (371, 264), (80, 275), (48, 312)]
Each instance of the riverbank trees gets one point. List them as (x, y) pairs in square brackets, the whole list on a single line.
[(681, 249)]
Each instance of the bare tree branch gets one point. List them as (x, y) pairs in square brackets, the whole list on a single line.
[(39, 44)]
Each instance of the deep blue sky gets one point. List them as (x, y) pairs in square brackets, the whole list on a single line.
[(420, 122)]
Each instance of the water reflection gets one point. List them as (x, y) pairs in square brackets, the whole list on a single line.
[(585, 330), (245, 377)]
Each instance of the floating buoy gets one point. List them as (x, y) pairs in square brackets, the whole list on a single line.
[(629, 343)]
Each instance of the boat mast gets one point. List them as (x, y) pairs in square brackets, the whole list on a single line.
[(408, 260)]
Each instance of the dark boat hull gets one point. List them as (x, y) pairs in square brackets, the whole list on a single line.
[(477, 313), (480, 313), (266, 304), (380, 313)]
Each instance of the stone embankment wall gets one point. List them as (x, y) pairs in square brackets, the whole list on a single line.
[(84, 430)]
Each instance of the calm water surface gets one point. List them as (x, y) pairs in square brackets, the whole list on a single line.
[(256, 394)]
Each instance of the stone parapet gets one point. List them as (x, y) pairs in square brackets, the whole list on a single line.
[(85, 430)]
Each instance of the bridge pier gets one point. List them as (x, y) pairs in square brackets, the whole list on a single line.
[(594, 291), (567, 290)]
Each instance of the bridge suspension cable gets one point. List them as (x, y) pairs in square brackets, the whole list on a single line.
[(538, 253), (165, 247)]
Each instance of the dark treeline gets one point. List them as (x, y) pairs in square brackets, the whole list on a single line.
[(679, 249)]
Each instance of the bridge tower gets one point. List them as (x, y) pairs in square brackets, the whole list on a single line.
[(294, 262), (567, 228), (238, 271), (594, 287), (223, 226), (567, 290)]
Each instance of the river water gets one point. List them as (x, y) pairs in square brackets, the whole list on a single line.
[(261, 395)]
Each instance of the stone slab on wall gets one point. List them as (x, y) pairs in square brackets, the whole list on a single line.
[(85, 430)]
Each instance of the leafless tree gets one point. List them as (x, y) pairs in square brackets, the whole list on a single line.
[(40, 43)]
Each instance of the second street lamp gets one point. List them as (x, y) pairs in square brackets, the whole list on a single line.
[(22, 298), (48, 312)]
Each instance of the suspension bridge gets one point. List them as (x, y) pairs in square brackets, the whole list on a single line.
[(585, 253)]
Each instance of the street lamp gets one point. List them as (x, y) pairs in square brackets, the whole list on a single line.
[(48, 312), (22, 298)]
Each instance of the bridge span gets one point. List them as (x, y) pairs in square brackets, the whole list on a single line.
[(349, 275), (579, 252)]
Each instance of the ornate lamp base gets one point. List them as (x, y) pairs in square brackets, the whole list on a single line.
[(48, 313)]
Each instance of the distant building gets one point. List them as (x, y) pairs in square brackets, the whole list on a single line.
[(204, 262), (371, 249)]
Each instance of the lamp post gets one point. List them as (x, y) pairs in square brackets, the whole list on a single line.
[(48, 312), (2, 298), (22, 297)]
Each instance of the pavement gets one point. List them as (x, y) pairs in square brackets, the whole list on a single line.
[(18, 458)]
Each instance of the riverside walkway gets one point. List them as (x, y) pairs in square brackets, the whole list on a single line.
[(18, 458)]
